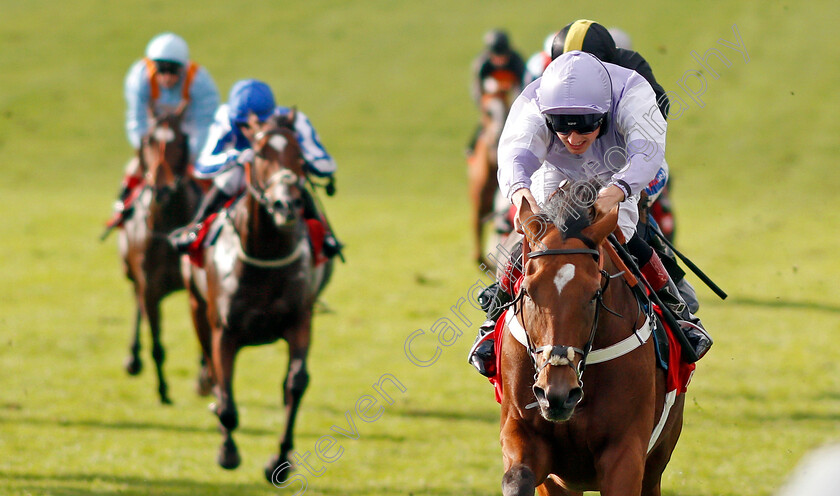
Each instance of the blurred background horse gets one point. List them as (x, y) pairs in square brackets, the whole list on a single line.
[(482, 163), (167, 200)]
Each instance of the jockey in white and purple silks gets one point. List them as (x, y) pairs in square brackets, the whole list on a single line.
[(227, 149), (584, 120), (580, 93)]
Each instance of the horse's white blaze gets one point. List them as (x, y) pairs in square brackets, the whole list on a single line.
[(564, 275), (278, 142), (164, 134)]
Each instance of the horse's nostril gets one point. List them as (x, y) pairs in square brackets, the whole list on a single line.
[(575, 395), (539, 393)]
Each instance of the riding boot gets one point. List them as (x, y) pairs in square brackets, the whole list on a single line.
[(121, 210), (670, 296), (648, 232), (332, 246), (482, 354), (184, 237)]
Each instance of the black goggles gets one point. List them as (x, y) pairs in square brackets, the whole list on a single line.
[(167, 67), (582, 124)]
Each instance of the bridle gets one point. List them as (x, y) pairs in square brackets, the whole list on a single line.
[(563, 355), (283, 176), (257, 191), (164, 135)]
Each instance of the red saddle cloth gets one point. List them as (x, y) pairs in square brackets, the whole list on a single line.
[(678, 375), (133, 185), (196, 249)]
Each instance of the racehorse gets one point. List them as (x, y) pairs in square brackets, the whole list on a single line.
[(581, 324), (482, 164), (166, 201), (259, 284)]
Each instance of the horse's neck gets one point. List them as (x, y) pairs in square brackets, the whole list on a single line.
[(259, 235), (619, 298), (495, 110), (177, 210)]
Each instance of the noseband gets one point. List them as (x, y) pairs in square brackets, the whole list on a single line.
[(283, 176)]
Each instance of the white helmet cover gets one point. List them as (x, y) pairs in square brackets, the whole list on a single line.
[(549, 40), (621, 38), (575, 83), (170, 47)]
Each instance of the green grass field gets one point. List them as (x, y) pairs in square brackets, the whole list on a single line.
[(386, 84)]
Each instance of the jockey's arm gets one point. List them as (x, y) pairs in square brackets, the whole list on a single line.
[(523, 145), (137, 94), (638, 119), (204, 101), (219, 151), (317, 160)]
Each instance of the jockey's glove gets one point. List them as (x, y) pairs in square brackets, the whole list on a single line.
[(245, 156)]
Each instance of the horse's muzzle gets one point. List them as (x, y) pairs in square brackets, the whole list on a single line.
[(557, 405)]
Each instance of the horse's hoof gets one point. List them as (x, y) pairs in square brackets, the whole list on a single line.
[(229, 455), (164, 400), (133, 365), (277, 470)]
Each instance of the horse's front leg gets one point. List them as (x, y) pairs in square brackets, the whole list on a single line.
[(526, 459), (224, 354), (153, 297), (478, 177), (133, 363), (203, 331), (297, 378), (621, 468)]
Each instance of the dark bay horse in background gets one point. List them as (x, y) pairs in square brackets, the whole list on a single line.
[(167, 201), (259, 284), (482, 164), (579, 413)]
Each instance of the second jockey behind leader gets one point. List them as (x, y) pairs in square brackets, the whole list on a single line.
[(228, 149)]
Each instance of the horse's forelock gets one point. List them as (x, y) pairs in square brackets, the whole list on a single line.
[(569, 212), (284, 143)]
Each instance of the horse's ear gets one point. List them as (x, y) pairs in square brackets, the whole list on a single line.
[(602, 227), (534, 226), (287, 120), (254, 122)]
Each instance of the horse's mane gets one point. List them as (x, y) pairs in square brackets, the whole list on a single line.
[(569, 207)]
